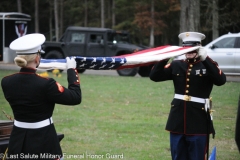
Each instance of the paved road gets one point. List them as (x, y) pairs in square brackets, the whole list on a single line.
[(11, 66), (233, 78)]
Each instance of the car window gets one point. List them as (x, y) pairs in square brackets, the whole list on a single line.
[(225, 43), (78, 37), (96, 38), (237, 43)]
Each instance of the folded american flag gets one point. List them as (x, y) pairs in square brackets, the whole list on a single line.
[(140, 58)]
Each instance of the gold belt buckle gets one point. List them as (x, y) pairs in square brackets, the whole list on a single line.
[(186, 98)]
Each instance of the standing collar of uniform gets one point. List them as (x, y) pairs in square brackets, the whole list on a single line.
[(28, 70), (193, 60)]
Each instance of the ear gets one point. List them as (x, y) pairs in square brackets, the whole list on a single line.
[(37, 58)]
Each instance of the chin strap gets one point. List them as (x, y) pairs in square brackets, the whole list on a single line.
[(196, 56), (192, 59)]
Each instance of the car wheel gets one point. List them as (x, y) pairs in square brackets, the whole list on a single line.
[(128, 72), (144, 71), (54, 55), (81, 70)]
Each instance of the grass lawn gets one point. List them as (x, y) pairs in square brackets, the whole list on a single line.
[(126, 117)]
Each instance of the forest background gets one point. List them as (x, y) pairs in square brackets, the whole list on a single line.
[(150, 22)]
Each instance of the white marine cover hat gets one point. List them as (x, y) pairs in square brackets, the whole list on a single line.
[(191, 38), (28, 44)]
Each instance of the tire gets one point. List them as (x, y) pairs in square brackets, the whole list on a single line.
[(54, 54), (81, 70), (144, 71), (128, 72)]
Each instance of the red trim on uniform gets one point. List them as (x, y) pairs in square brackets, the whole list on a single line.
[(42, 77), (26, 73), (184, 116), (78, 77), (188, 134), (60, 88), (152, 67), (220, 71), (167, 65), (11, 75), (205, 151)]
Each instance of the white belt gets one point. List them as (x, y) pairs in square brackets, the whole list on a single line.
[(35, 125), (205, 101), (190, 98)]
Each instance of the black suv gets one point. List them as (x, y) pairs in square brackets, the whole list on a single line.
[(94, 42)]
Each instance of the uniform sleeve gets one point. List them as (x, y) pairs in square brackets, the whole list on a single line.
[(216, 74), (161, 72), (67, 96)]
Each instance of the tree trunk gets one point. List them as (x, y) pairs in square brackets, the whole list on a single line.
[(61, 18), (36, 17), (108, 10), (86, 13), (195, 15), (102, 14), (19, 4), (190, 15), (113, 14), (56, 19), (151, 43), (215, 20), (50, 19)]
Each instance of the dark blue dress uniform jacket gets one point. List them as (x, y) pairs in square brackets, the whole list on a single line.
[(32, 99), (194, 78)]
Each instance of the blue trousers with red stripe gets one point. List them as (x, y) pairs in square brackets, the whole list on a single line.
[(186, 147)]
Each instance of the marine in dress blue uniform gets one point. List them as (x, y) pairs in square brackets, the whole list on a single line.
[(189, 120), (33, 98)]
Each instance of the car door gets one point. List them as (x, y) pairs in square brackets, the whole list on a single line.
[(223, 52), (95, 45), (75, 43), (237, 57)]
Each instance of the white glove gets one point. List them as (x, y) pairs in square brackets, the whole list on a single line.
[(202, 53), (71, 63)]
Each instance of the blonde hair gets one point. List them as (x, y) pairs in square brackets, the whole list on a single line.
[(23, 60)]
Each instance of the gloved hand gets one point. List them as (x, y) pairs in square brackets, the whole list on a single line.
[(71, 63), (202, 53)]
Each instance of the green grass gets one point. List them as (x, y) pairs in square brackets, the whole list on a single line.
[(127, 115)]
